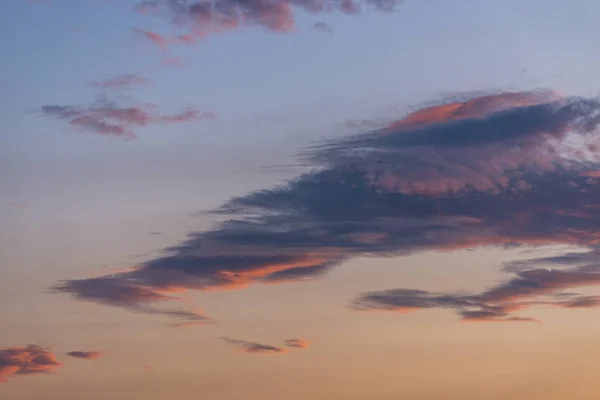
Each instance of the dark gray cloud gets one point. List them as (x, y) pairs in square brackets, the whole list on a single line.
[(509, 169)]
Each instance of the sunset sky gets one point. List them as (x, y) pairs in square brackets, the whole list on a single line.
[(307, 199)]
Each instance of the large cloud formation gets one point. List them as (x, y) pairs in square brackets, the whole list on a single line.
[(501, 169), (201, 18), (26, 361)]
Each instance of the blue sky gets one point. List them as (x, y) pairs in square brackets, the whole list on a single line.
[(75, 203)]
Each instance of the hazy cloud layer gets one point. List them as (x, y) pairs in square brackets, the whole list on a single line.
[(109, 118), (253, 348), (26, 361), (505, 169)]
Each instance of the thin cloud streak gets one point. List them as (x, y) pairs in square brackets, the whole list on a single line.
[(156, 39), (121, 82), (297, 343), (252, 347), (86, 355)]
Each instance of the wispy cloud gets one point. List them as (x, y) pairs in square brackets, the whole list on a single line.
[(109, 118), (26, 361), (121, 82), (87, 355), (503, 169), (253, 348), (156, 39)]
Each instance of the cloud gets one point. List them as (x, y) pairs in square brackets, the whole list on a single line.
[(173, 61), (25, 361), (297, 343), (504, 169), (133, 298), (201, 18), (121, 82), (111, 119), (527, 288), (322, 27), (156, 39), (87, 355), (253, 348), (190, 318)]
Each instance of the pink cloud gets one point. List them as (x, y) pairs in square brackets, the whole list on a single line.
[(26, 361), (160, 41), (201, 18), (113, 120)]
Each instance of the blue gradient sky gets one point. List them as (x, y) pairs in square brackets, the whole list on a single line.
[(74, 204)]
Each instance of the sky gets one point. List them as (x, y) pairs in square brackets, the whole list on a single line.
[(294, 199)]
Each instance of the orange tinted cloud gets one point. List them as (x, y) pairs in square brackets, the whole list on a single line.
[(87, 355), (26, 361), (297, 343)]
